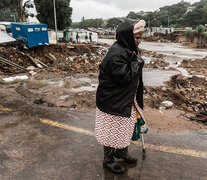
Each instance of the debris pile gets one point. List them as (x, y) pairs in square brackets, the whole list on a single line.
[(156, 60), (157, 63), (62, 58), (160, 37), (189, 94), (195, 66)]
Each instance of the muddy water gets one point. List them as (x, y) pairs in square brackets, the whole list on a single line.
[(156, 77), (159, 77), (174, 52)]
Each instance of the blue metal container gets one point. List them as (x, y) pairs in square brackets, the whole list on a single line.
[(31, 34)]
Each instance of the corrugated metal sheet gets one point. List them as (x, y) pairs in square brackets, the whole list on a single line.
[(4, 37)]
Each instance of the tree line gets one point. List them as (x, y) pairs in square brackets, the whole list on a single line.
[(167, 16), (197, 35)]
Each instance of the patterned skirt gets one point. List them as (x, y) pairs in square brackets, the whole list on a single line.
[(115, 131)]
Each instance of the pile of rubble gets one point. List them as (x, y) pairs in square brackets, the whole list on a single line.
[(195, 66), (156, 60), (186, 93), (189, 94), (64, 58), (160, 37)]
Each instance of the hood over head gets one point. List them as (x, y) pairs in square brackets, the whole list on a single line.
[(125, 35)]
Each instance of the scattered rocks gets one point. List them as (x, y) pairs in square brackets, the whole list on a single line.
[(167, 104)]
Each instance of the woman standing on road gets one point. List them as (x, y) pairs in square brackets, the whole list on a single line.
[(119, 95)]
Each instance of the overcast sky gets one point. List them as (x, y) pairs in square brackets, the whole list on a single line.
[(115, 8)]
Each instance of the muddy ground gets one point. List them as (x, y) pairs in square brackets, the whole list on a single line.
[(70, 80)]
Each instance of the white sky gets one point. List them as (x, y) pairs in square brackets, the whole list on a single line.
[(115, 8)]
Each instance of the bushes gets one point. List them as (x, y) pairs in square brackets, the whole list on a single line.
[(200, 32), (187, 33), (200, 29)]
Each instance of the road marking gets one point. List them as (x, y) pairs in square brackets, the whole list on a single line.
[(65, 126), (174, 150), (168, 149), (2, 108)]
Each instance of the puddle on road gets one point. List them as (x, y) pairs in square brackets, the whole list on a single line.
[(93, 87), (152, 77), (56, 83), (86, 84), (34, 84)]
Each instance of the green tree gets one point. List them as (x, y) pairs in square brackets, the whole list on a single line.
[(113, 22), (87, 23), (200, 33), (198, 15), (17, 7), (45, 13), (174, 14), (132, 15), (7, 15)]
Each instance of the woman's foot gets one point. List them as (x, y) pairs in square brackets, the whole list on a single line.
[(114, 166), (123, 154), (109, 161)]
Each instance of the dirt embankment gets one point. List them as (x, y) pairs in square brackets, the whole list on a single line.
[(160, 37)]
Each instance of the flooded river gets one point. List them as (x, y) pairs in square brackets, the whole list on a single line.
[(170, 49), (174, 53)]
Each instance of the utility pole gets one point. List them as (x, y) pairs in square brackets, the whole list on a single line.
[(149, 22), (168, 21), (55, 21)]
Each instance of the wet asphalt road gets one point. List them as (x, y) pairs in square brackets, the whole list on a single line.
[(42, 143)]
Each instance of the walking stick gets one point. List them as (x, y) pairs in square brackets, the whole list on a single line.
[(143, 147)]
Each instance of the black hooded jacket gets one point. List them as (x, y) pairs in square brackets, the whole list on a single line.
[(120, 74)]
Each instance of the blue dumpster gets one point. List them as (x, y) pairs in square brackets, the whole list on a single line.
[(31, 34)]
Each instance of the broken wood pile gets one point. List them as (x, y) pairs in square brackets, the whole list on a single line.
[(68, 58)]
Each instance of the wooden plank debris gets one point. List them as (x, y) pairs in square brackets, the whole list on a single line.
[(12, 64)]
